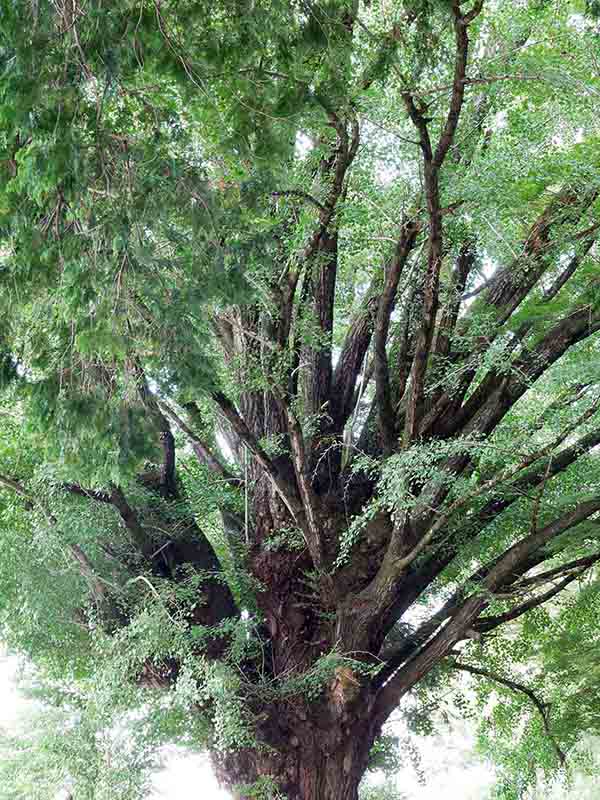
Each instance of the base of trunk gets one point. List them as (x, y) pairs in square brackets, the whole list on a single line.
[(327, 765)]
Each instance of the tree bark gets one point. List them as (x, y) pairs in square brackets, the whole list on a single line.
[(322, 757)]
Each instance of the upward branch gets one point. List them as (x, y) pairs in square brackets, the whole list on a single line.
[(432, 163), (385, 409), (510, 563)]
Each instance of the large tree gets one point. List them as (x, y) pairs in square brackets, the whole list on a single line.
[(299, 338)]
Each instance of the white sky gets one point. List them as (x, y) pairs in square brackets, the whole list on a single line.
[(185, 777), (11, 704)]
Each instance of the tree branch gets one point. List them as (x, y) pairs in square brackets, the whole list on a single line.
[(415, 582), (17, 487), (504, 291), (168, 484), (486, 624), (569, 270), (324, 248), (463, 618), (301, 195), (398, 655), (485, 408), (461, 22), (90, 494), (286, 491), (544, 577), (511, 285), (350, 362), (432, 162), (87, 570), (385, 409), (313, 524), (516, 687), (131, 521), (398, 557), (464, 265), (117, 499), (85, 566), (202, 451)]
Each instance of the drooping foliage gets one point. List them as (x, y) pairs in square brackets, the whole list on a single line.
[(72, 741), (299, 370)]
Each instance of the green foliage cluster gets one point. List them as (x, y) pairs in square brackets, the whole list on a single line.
[(74, 738)]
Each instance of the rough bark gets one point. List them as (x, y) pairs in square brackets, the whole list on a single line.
[(307, 755)]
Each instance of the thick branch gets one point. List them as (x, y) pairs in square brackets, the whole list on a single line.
[(445, 328), (402, 550), (350, 362), (549, 467), (286, 491), (87, 570), (318, 370), (117, 499), (131, 522), (569, 270), (511, 285), (17, 487), (85, 566), (398, 655), (301, 195), (486, 624), (356, 343), (385, 409), (497, 393), (458, 86), (505, 566), (505, 291), (168, 485), (310, 522), (432, 162), (544, 577), (324, 249), (90, 494)]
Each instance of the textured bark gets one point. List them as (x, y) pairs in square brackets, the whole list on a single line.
[(310, 748), (310, 756)]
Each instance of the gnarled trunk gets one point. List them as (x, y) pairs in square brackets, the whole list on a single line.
[(308, 747), (323, 758)]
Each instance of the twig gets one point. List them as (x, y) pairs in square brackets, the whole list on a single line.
[(302, 195)]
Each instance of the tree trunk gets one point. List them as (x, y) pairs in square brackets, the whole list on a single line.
[(308, 747), (312, 762)]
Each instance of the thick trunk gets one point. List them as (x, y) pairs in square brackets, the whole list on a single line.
[(308, 747), (312, 763)]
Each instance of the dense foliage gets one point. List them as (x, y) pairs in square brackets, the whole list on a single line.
[(300, 378)]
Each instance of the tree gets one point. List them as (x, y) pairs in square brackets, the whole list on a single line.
[(300, 366)]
